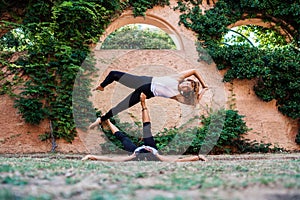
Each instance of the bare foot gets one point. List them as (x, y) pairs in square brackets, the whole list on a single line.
[(99, 88), (96, 123)]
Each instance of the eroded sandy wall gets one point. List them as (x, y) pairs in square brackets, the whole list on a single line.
[(268, 125)]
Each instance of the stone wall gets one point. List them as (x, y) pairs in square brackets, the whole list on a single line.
[(268, 125), (16, 136)]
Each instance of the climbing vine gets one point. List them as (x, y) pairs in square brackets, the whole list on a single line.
[(141, 6), (57, 34), (277, 69), (52, 47)]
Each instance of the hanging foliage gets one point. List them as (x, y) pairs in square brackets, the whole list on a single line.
[(277, 68), (56, 35), (52, 47)]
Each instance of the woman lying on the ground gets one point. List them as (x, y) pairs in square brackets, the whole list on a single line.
[(146, 152), (179, 87)]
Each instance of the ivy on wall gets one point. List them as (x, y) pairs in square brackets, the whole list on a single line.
[(141, 6), (60, 33), (277, 70)]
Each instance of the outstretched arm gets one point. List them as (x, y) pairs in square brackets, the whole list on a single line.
[(109, 159), (186, 159), (192, 158), (192, 72), (170, 159)]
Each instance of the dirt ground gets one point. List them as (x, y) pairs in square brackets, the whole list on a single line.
[(61, 176)]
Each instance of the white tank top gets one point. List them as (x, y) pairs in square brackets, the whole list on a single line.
[(164, 86)]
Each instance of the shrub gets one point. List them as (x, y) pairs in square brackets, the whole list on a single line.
[(221, 132)]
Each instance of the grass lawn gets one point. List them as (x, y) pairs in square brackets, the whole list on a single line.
[(57, 176)]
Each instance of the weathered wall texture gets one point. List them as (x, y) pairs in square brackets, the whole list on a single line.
[(267, 123), (18, 137)]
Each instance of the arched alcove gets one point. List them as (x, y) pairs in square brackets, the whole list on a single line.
[(254, 36), (261, 22), (150, 19), (138, 36)]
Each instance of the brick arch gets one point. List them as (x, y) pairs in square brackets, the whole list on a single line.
[(271, 25), (150, 19)]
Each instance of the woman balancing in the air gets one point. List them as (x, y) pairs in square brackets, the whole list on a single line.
[(180, 87)]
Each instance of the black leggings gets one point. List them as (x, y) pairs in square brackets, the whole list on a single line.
[(141, 84), (147, 138)]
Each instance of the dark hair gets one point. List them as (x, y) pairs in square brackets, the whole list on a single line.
[(195, 85), (144, 155)]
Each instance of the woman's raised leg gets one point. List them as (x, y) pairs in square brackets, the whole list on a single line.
[(129, 80)]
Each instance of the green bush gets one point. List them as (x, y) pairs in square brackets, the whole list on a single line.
[(141, 6), (221, 132)]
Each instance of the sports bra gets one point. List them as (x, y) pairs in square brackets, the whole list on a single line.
[(164, 86)]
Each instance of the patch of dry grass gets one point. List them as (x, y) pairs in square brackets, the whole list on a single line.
[(54, 176)]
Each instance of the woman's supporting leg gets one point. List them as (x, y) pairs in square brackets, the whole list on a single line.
[(147, 135), (127, 143)]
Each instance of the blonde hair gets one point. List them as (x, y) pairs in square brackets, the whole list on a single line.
[(189, 97)]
